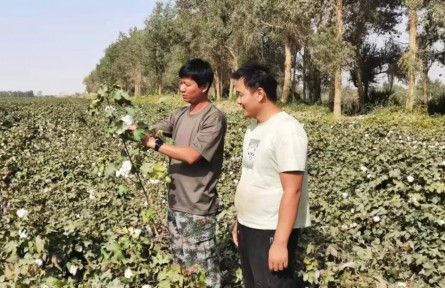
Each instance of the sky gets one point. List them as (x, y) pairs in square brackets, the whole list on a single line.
[(50, 45)]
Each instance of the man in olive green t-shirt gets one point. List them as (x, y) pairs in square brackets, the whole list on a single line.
[(195, 165)]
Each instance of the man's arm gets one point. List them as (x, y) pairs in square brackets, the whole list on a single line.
[(186, 154), (204, 145), (292, 183), (235, 232)]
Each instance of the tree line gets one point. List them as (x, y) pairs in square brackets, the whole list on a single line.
[(17, 93), (309, 44)]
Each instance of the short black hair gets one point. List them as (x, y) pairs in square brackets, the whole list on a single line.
[(258, 76), (199, 70)]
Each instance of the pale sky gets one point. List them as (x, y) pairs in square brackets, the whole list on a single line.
[(50, 45)]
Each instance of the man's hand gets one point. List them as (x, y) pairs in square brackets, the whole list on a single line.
[(132, 127), (278, 257), (149, 141), (235, 233)]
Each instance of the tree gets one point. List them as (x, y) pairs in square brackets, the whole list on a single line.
[(363, 18), (330, 52), (92, 82), (432, 33), (339, 36), (161, 35), (292, 28), (135, 56), (410, 58), (204, 27)]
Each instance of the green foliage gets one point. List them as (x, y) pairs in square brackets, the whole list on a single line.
[(330, 52), (376, 190), (437, 105)]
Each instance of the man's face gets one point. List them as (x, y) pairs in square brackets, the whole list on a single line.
[(190, 91), (247, 99)]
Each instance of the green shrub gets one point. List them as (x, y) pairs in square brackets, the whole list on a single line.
[(437, 105)]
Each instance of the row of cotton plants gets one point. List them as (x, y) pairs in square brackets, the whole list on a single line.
[(73, 213)]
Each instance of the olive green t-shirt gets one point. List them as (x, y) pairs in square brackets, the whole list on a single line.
[(193, 189)]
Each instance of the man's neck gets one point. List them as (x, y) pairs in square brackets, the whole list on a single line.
[(197, 107), (267, 112)]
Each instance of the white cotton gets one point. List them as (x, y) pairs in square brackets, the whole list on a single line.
[(110, 109), (125, 169), (137, 232), (73, 270), (155, 181), (22, 212), (23, 234), (127, 119), (128, 273), (91, 194)]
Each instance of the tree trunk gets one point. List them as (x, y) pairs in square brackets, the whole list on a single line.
[(294, 80), (332, 90), (361, 92), (231, 89), (287, 70), (426, 81), (338, 96), (235, 60), (138, 82), (317, 86), (412, 65), (217, 85), (221, 82), (391, 77), (160, 89), (304, 72)]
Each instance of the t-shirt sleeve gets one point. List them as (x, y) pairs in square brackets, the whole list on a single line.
[(210, 135), (291, 151), (167, 124)]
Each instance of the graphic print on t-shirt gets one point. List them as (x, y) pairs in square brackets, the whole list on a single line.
[(251, 149)]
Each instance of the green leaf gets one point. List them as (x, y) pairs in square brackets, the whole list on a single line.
[(11, 247), (148, 215), (147, 168), (110, 171), (117, 95), (122, 190), (54, 282), (40, 244), (103, 90), (138, 135)]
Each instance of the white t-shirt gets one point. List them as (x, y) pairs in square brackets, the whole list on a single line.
[(269, 148)]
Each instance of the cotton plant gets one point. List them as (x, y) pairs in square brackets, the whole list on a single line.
[(22, 213), (116, 106)]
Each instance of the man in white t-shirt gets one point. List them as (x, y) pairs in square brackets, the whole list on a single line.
[(271, 198)]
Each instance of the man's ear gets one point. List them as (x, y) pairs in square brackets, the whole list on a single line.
[(261, 94), (204, 88)]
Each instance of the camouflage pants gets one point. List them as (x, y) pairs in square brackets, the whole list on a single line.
[(192, 240)]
